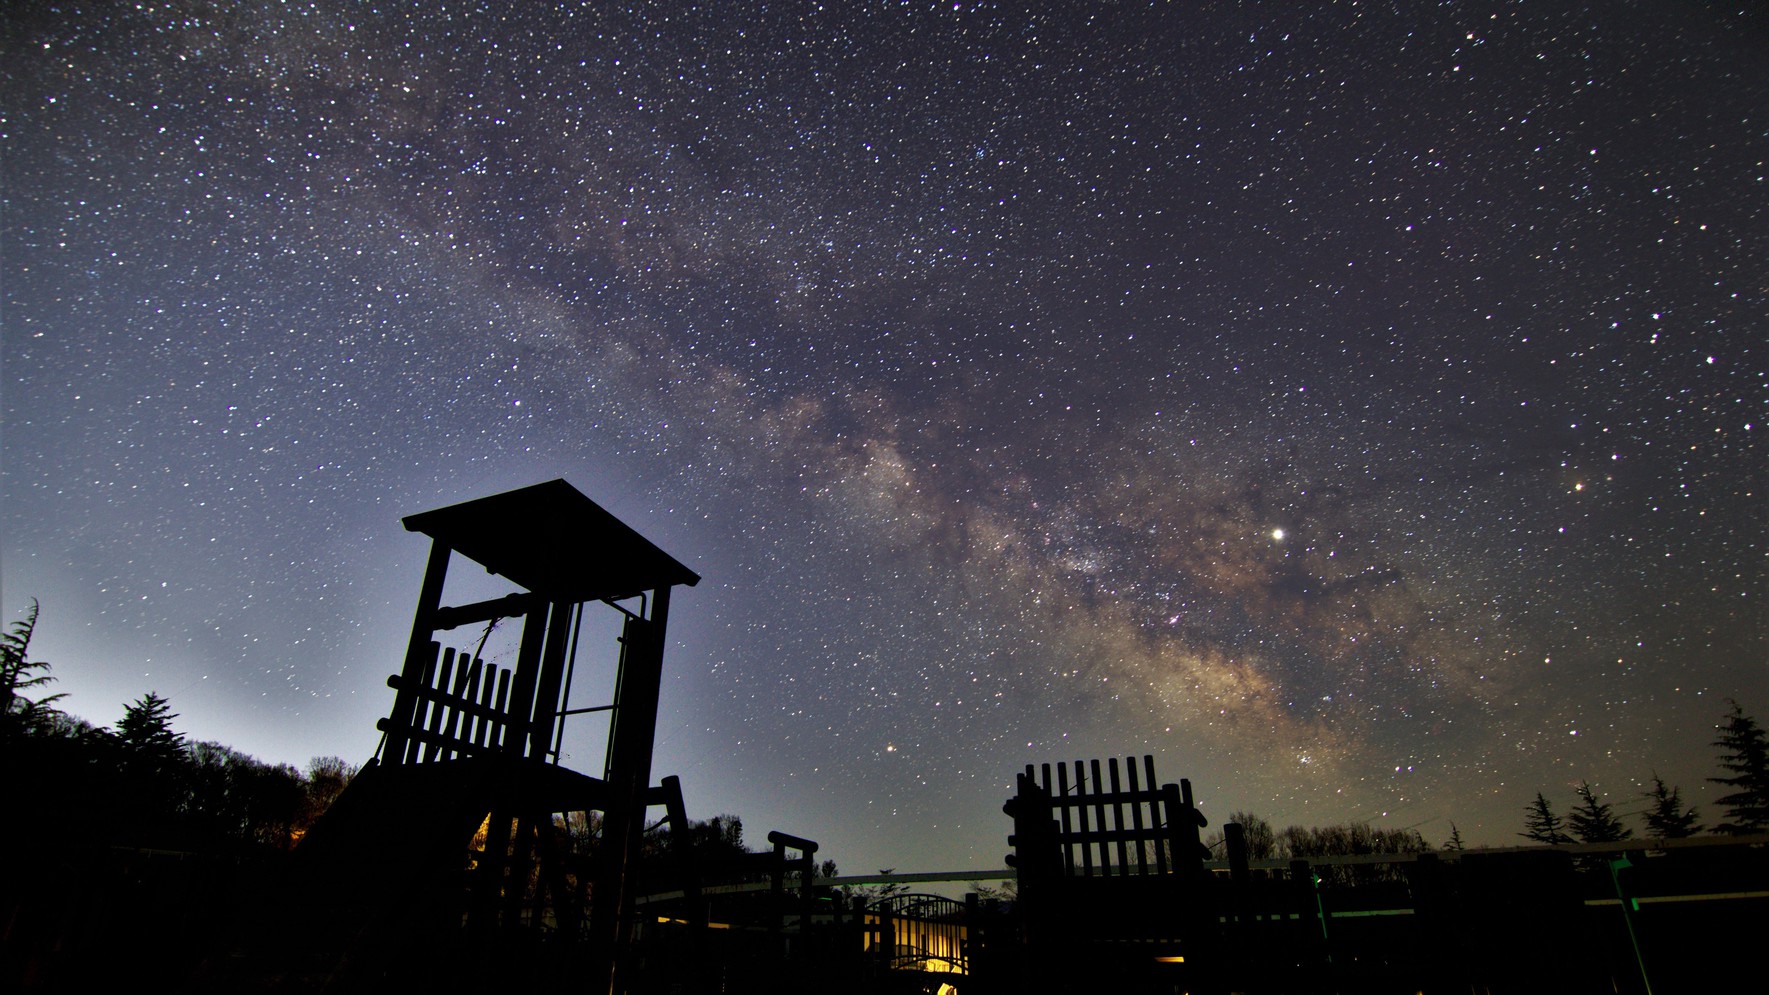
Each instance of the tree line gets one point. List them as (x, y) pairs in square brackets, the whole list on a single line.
[(1744, 757), (156, 790), (140, 783)]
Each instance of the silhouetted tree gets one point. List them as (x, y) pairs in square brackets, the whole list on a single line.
[(1455, 840), (19, 673), (1262, 841), (152, 795), (1290, 839), (718, 840), (1345, 839), (146, 736), (716, 844), (1542, 825), (1745, 753), (327, 777), (232, 798), (1348, 839), (1667, 818), (1593, 821)]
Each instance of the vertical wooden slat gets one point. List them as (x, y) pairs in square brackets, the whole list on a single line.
[(470, 734), (519, 715), (488, 735), (1099, 812), (552, 676), (1053, 791), (421, 648), (480, 691), (459, 696), (1136, 827), (414, 749), (1162, 863), (1118, 800), (439, 707), (501, 726), (1062, 801), (1188, 861), (1172, 809)]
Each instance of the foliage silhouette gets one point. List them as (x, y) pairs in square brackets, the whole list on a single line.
[(1594, 821), (1455, 840), (145, 733), (1668, 818), (18, 673), (1744, 751), (1542, 825), (1262, 840), (327, 777), (233, 798)]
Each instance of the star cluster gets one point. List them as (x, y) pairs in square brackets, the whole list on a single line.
[(1357, 409)]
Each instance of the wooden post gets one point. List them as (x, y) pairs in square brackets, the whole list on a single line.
[(634, 728), (419, 652), (552, 675)]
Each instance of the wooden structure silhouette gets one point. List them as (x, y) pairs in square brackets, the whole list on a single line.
[(1111, 870), (452, 826)]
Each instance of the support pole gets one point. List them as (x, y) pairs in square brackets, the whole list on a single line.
[(631, 741), (418, 654)]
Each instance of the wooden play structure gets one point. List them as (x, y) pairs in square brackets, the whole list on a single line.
[(466, 845)]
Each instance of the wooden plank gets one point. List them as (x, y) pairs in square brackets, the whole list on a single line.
[(463, 670), (499, 726), (1118, 813), (1141, 795), (421, 707), (520, 711), (1099, 809), (422, 737), (1081, 818), (1108, 837), (475, 675), (438, 705), (1142, 852), (1155, 821), (483, 709)]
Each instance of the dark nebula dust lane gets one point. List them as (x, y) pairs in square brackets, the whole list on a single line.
[(1357, 409)]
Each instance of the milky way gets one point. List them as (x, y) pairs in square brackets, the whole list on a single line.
[(1357, 410)]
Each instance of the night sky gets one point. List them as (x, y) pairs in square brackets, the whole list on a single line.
[(1358, 406)]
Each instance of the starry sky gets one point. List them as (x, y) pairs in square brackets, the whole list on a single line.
[(1358, 406)]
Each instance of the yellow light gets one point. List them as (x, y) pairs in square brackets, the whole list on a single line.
[(1176, 959)]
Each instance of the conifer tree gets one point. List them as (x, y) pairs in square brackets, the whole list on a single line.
[(153, 798), (1666, 816), (1745, 753), (1594, 821), (1542, 825), (1455, 840), (146, 735)]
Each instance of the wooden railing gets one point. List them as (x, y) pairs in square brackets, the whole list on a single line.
[(461, 707), (1106, 823)]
